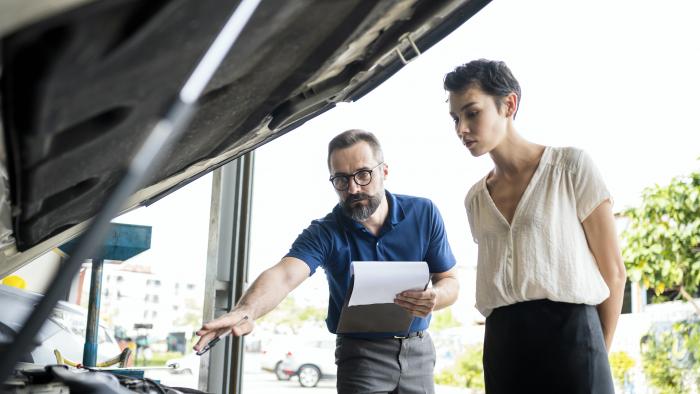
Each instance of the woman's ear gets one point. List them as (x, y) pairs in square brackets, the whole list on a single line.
[(511, 104)]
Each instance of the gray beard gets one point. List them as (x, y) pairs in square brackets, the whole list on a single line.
[(360, 213)]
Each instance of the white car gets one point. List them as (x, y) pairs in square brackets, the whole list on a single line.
[(63, 331), (313, 361), (273, 352), (187, 364)]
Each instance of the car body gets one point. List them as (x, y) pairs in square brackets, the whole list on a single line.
[(273, 351), (311, 362), (64, 331), (187, 364)]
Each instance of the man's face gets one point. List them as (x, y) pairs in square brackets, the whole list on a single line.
[(359, 202)]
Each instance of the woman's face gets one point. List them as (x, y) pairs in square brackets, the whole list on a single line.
[(478, 122)]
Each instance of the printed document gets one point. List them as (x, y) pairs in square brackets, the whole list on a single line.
[(378, 282)]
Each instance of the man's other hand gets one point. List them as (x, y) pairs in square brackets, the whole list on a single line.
[(418, 303)]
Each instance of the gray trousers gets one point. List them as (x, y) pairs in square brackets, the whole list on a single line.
[(396, 366)]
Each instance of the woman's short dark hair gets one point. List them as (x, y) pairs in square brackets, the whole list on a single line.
[(349, 138), (493, 77)]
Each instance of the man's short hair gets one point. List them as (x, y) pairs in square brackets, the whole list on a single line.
[(349, 138), (493, 77)]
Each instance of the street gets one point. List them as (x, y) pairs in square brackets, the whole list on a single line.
[(266, 383), (257, 381)]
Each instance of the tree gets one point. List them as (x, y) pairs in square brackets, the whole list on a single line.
[(670, 357), (662, 242), (621, 363), (659, 367), (443, 319), (294, 316), (468, 370), (191, 316)]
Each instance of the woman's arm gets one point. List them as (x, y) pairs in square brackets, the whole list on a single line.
[(600, 231)]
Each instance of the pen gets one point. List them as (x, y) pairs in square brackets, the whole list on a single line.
[(215, 340)]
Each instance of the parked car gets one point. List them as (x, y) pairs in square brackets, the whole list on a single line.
[(64, 331), (273, 352), (187, 364), (313, 361)]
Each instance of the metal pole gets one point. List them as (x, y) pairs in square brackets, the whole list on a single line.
[(241, 244), (93, 320)]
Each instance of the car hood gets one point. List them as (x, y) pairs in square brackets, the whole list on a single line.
[(83, 82)]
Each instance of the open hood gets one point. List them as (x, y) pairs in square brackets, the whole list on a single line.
[(83, 82)]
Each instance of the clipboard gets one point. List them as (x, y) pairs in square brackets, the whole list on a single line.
[(373, 318)]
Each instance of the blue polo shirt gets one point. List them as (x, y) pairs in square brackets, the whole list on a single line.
[(413, 231)]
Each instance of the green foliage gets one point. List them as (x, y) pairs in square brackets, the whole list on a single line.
[(689, 333), (312, 313), (468, 370), (658, 366), (443, 319), (156, 360), (662, 243), (670, 358), (190, 316), (621, 363), (289, 314), (190, 319)]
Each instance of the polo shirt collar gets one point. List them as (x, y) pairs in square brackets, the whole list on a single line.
[(396, 213)]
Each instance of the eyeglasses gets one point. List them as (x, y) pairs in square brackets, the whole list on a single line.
[(360, 177)]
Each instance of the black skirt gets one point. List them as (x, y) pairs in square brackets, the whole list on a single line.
[(546, 347)]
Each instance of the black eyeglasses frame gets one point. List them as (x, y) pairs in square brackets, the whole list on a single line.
[(354, 178)]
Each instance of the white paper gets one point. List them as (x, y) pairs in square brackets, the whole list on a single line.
[(378, 282)]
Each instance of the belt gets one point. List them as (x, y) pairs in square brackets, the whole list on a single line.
[(410, 335)]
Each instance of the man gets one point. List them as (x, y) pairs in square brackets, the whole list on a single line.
[(369, 224)]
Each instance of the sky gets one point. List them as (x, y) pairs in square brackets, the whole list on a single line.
[(618, 79)]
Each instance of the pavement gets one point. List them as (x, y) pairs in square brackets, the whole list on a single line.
[(257, 381)]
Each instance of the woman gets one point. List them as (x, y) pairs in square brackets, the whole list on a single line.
[(550, 278)]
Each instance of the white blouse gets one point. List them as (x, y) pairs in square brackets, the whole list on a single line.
[(544, 252)]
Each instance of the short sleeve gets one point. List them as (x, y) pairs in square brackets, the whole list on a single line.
[(439, 256), (589, 189), (311, 246), (470, 216)]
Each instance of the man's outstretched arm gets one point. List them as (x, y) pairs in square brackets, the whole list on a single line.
[(268, 290)]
